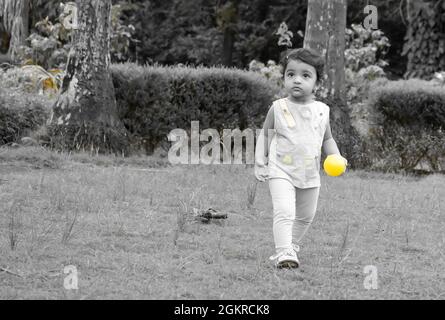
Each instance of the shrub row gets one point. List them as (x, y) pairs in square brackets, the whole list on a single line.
[(409, 116), (409, 124), (414, 103), (153, 100)]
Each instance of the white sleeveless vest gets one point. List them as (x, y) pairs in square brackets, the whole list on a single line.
[(295, 149)]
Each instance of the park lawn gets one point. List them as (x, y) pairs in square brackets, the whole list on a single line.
[(127, 226)]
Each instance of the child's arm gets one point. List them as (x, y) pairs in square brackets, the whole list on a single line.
[(262, 147), (329, 144)]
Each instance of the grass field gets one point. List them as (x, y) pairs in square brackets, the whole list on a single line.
[(127, 226)]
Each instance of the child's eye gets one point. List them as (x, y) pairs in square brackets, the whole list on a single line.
[(290, 74), (306, 75)]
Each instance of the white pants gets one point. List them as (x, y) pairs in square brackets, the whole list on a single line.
[(291, 204)]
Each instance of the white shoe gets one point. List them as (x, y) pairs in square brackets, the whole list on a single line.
[(287, 258)]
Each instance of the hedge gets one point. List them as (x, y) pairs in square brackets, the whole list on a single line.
[(409, 124), (153, 100), (414, 103)]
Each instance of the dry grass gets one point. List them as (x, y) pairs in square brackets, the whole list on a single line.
[(126, 225)]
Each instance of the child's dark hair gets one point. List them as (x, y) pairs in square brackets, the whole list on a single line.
[(305, 55)]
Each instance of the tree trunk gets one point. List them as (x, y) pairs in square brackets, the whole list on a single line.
[(229, 36), (85, 114), (325, 33), (227, 20), (14, 16)]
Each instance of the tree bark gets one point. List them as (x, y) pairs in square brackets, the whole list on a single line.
[(228, 16), (325, 33), (84, 116), (229, 36)]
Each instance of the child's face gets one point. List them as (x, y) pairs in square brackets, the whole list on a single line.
[(299, 80)]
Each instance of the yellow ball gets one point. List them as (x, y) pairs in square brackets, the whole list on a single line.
[(334, 165)]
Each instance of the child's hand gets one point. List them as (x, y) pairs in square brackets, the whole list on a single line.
[(261, 173)]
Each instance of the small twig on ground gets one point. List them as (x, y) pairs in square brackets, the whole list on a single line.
[(351, 248), (10, 272)]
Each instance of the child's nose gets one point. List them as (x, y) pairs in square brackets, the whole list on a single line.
[(297, 80)]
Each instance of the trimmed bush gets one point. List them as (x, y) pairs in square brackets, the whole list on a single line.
[(414, 103), (153, 100), (408, 123), (20, 114)]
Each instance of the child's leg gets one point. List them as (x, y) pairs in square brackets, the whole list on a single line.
[(306, 205), (283, 201)]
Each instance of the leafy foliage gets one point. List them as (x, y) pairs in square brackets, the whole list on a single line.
[(365, 47), (174, 31), (425, 40), (364, 60), (122, 34), (49, 45), (271, 71), (191, 32), (285, 35)]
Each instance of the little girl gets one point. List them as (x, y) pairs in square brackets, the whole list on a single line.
[(288, 153)]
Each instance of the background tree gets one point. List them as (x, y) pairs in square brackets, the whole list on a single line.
[(176, 31), (325, 33), (85, 114), (14, 15), (227, 18)]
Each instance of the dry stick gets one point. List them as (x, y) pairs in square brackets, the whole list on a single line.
[(10, 272), (351, 248)]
